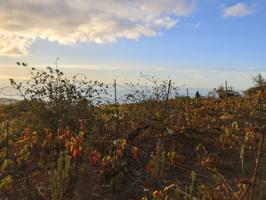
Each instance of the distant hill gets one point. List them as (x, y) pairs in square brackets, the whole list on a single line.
[(6, 101)]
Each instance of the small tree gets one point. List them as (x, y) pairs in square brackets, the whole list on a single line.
[(197, 95), (52, 96), (149, 89), (230, 92), (259, 85), (259, 80)]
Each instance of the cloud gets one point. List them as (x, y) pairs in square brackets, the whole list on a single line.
[(14, 44), (237, 10), (194, 25), (69, 22)]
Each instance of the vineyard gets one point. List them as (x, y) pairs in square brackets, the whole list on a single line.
[(65, 141)]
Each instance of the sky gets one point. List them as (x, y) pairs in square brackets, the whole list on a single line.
[(199, 43)]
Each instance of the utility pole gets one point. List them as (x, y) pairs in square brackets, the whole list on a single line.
[(226, 95), (226, 88)]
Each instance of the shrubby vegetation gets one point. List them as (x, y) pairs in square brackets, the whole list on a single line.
[(64, 141), (260, 85), (52, 97)]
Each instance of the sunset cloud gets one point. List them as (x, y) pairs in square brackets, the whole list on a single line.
[(68, 22)]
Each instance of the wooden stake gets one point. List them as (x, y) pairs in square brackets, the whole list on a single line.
[(166, 104), (7, 139), (256, 170)]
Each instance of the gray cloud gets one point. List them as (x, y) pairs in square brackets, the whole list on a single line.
[(68, 22)]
